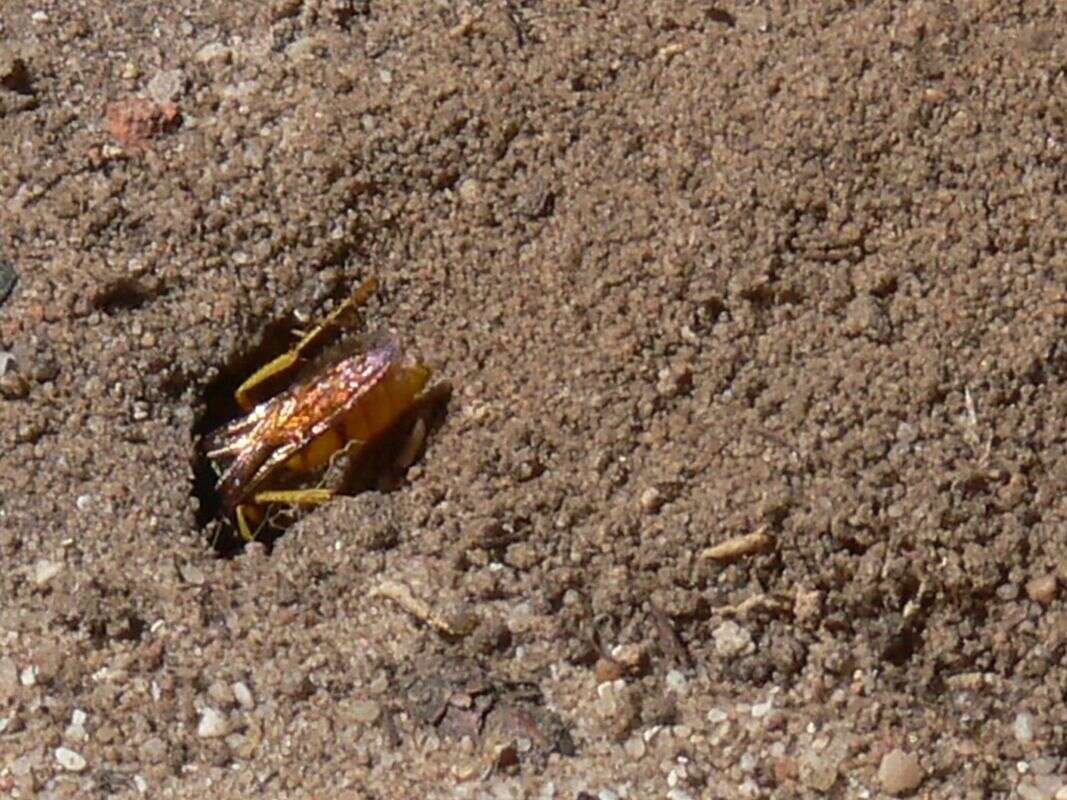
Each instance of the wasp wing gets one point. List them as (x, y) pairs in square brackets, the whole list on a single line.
[(286, 424)]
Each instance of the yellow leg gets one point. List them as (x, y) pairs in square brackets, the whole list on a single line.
[(249, 514), (286, 361), (294, 497), (243, 513)]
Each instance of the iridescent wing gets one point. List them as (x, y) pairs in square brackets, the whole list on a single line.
[(280, 427)]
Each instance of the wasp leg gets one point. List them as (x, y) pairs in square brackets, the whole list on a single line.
[(294, 497), (249, 514), (286, 361), (243, 513)]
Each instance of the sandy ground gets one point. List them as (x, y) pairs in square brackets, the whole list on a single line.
[(693, 271)]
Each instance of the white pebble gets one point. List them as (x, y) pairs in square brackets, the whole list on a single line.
[(212, 724), (635, 748), (243, 696), (1023, 728), (716, 715), (731, 640), (29, 676), (676, 681), (760, 710), (44, 570), (70, 760)]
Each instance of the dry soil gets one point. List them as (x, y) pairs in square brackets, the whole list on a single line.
[(694, 271)]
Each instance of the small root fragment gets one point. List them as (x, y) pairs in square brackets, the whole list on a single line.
[(458, 625), (757, 604), (748, 544)]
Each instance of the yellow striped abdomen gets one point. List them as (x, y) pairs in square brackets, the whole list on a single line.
[(375, 411)]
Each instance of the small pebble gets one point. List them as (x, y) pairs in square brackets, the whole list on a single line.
[(167, 86), (652, 500), (214, 52), (676, 681), (1042, 589), (606, 690), (44, 570), (899, 772), (731, 640), (760, 710), (671, 382), (220, 693), (191, 574), (154, 750), (817, 772), (463, 769), (212, 725), (717, 715), (1033, 791), (366, 712), (1023, 727), (243, 695), (607, 670), (469, 190), (69, 759), (635, 748), (76, 730), (1043, 766)]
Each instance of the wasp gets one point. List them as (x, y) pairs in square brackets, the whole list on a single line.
[(340, 406)]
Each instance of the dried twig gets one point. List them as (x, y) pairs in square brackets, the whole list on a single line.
[(738, 546), (453, 625)]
